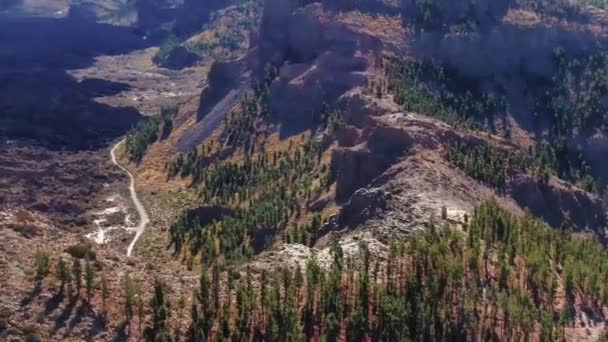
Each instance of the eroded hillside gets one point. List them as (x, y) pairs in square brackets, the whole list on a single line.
[(369, 170)]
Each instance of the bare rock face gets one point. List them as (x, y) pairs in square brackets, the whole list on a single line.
[(348, 136), (222, 77), (304, 37), (372, 151), (363, 205), (359, 110), (300, 91), (318, 62), (389, 141), (274, 21), (557, 202), (355, 169), (225, 75)]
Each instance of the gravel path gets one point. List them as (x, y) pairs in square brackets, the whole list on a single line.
[(143, 215)]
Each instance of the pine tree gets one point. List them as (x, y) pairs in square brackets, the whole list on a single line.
[(129, 292), (206, 317), (226, 329), (63, 273), (77, 272), (89, 278), (160, 331), (244, 306), (140, 305), (196, 332), (105, 292), (42, 261), (332, 328), (181, 303)]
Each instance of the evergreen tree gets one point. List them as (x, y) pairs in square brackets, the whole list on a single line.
[(42, 261), (140, 306), (160, 331), (89, 278), (63, 273), (105, 292), (77, 272), (129, 292)]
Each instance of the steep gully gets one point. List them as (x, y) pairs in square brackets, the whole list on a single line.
[(143, 215)]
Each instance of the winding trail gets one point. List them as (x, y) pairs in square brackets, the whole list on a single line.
[(143, 216)]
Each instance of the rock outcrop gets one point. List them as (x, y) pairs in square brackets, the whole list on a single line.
[(319, 60), (179, 58), (363, 205), (558, 202), (223, 77), (354, 169)]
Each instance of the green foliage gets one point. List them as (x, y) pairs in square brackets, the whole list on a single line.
[(205, 306), (165, 49), (427, 88), (560, 8), (160, 313), (227, 40), (264, 192), (63, 272), (332, 120), (574, 106), (147, 132), (130, 291), (442, 14), (89, 278), (42, 261), (82, 251), (254, 108), (138, 139), (568, 105), (77, 272), (304, 234), (500, 276), (487, 164), (105, 291)]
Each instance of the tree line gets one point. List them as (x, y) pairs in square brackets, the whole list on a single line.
[(567, 105), (264, 192), (148, 131), (571, 101), (498, 277), (428, 88), (487, 164), (74, 278)]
